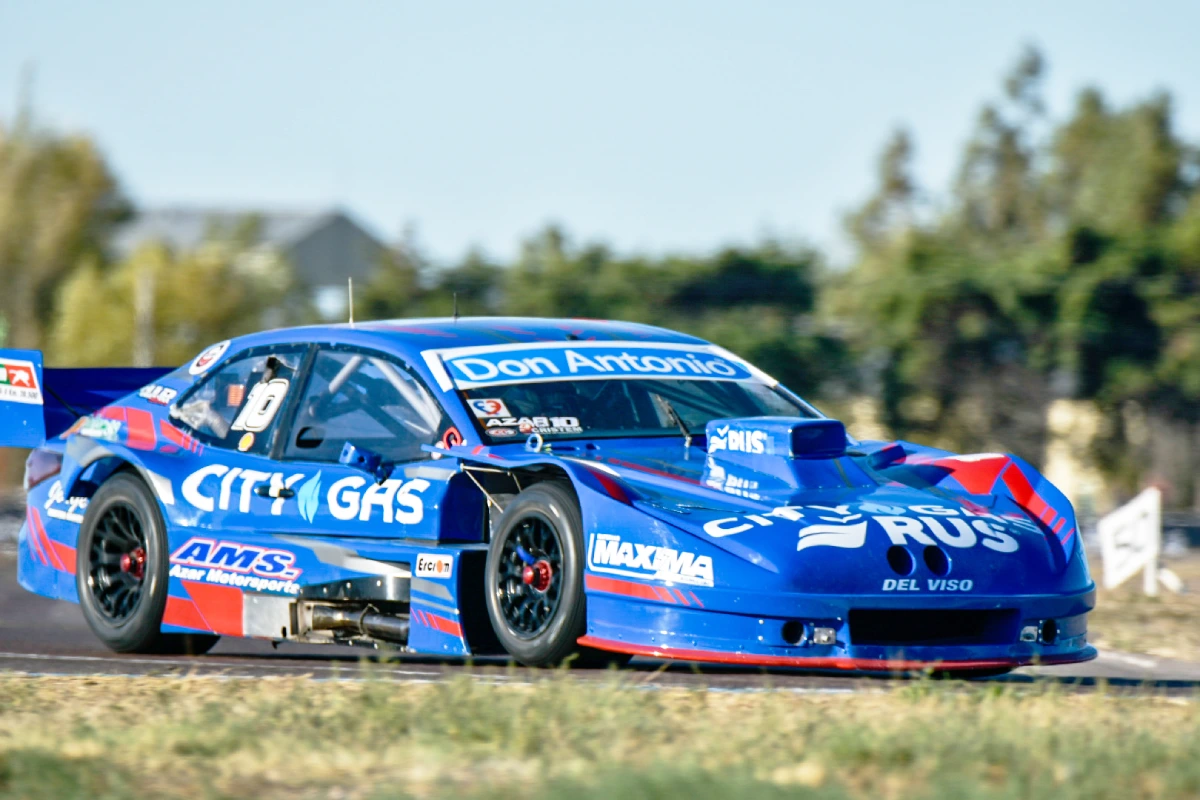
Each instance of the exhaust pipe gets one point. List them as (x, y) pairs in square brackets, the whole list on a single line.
[(366, 622)]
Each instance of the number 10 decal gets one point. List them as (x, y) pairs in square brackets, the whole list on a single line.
[(264, 403)]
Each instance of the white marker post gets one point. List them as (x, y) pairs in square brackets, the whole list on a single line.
[(1131, 540)]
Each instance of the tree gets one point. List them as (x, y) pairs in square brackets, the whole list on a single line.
[(58, 204), (891, 210), (216, 292), (1065, 263), (1117, 171), (954, 311)]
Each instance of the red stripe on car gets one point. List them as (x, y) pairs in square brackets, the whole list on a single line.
[(642, 591), (184, 613), (440, 623), (34, 544), (45, 543), (221, 606), (140, 424)]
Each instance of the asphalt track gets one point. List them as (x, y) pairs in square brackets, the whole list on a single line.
[(49, 637)]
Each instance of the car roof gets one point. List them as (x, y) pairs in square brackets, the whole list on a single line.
[(411, 336)]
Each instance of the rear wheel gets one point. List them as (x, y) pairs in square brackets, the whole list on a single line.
[(534, 582), (121, 571)]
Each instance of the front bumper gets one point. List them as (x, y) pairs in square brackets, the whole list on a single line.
[(659, 622), (835, 663)]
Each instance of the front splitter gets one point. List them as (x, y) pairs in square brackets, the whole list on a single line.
[(835, 663)]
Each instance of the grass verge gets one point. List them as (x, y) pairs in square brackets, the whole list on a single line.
[(561, 738)]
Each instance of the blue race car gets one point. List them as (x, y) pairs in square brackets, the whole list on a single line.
[(543, 489)]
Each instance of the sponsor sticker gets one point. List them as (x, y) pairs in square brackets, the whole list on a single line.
[(18, 382), (309, 497), (928, 585), (612, 554), (487, 407), (161, 395), (741, 441), (246, 442), (59, 506), (108, 430), (433, 565), (923, 524), (501, 432), (392, 502), (263, 404), (549, 361), (217, 486), (245, 566), (210, 356), (451, 438), (528, 425)]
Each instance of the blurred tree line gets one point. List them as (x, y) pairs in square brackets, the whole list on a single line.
[(759, 302), (1063, 264)]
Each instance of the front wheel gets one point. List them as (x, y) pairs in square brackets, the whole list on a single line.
[(121, 571), (534, 581)]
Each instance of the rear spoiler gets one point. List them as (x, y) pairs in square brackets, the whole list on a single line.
[(37, 404)]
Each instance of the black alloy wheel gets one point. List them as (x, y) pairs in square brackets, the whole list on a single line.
[(531, 579), (117, 562), (534, 580), (121, 571)]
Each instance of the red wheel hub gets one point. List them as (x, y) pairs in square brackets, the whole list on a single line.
[(134, 563), (537, 575)]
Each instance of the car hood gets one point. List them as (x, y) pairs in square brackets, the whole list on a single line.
[(800, 507), (882, 517)]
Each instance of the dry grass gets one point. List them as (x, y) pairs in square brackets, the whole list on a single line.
[(205, 738), (297, 738), (1167, 625)]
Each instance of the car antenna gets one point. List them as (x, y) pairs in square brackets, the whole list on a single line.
[(456, 306), (350, 294)]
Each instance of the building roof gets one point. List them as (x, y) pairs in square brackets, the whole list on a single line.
[(186, 228)]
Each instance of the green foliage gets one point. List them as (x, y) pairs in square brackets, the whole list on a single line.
[(758, 302), (1064, 263), (407, 285), (58, 203), (193, 299)]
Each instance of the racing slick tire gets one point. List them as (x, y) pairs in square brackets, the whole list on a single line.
[(121, 571), (534, 580)]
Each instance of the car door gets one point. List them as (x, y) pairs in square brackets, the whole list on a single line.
[(376, 403), (236, 412)]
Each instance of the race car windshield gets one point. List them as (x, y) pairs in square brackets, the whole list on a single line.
[(620, 408)]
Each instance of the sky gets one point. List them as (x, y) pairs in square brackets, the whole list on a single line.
[(654, 127)]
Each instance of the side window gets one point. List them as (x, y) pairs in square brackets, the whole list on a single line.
[(237, 406), (369, 400)]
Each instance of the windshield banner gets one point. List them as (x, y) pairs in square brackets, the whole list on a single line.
[(470, 367)]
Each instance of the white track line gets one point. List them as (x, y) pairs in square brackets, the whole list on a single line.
[(1140, 662)]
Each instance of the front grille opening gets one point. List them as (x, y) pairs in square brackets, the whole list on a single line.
[(933, 626)]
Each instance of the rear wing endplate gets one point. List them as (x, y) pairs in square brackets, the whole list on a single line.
[(37, 404)]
